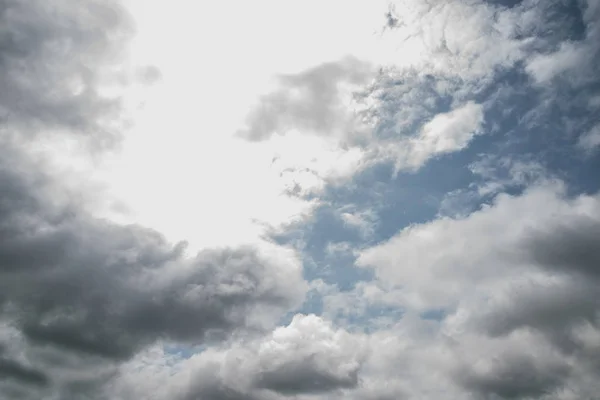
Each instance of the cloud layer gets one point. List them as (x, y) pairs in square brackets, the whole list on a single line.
[(416, 219)]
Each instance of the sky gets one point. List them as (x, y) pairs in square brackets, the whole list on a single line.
[(273, 200)]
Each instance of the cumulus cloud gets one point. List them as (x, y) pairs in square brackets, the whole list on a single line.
[(533, 279), (307, 357), (457, 249)]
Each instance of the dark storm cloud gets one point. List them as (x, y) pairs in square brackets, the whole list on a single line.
[(54, 55), (307, 101), (11, 369)]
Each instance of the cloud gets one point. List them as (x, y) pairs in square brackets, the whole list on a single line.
[(11, 369), (545, 67), (461, 251), (57, 60), (81, 295), (590, 141), (444, 133), (310, 347), (498, 301), (465, 40), (89, 287), (512, 371), (315, 101), (364, 221), (531, 279), (576, 60), (552, 307), (307, 357), (360, 142)]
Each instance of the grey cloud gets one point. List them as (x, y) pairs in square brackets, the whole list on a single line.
[(304, 376), (84, 295), (148, 74), (91, 296), (11, 369), (54, 56), (566, 248), (514, 377), (571, 246), (548, 308), (92, 288), (506, 3), (391, 17), (309, 100), (209, 385)]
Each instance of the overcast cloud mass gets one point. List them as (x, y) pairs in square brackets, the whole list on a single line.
[(300, 200)]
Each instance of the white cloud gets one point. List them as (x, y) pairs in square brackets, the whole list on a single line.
[(446, 261), (571, 56), (590, 141), (506, 172), (460, 39), (544, 67), (364, 221), (445, 133)]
